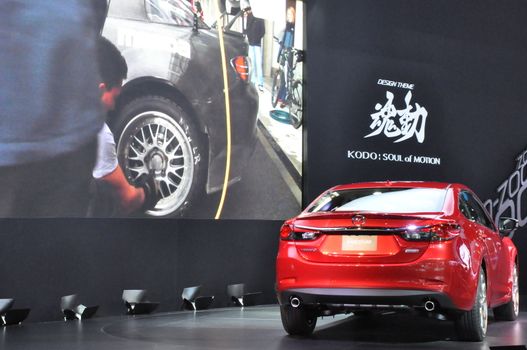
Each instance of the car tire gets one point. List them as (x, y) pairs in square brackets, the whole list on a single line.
[(155, 137), (298, 321), (472, 324), (510, 311)]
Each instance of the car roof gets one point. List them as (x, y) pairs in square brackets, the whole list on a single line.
[(398, 184), (128, 9)]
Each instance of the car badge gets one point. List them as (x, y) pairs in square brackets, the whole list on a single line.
[(358, 220)]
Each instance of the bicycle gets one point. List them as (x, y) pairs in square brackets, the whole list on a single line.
[(284, 78)]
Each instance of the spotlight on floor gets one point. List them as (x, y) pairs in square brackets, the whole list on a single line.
[(72, 310), (136, 302), (9, 316), (193, 301), (236, 293)]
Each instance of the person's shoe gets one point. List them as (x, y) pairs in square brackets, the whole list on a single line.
[(260, 88)]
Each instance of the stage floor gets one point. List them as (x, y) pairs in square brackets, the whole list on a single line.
[(251, 328)]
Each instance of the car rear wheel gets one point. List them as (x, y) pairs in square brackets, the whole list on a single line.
[(472, 325), (510, 311), (298, 321), (157, 139)]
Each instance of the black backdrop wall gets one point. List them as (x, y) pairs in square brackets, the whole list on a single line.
[(44, 259), (419, 90), (466, 63), (433, 90)]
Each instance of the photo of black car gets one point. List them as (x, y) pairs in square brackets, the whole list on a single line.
[(170, 118)]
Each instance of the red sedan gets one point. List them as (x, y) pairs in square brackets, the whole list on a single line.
[(422, 246)]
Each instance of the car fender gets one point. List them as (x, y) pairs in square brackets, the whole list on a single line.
[(511, 249), (478, 260), (143, 86), (512, 253)]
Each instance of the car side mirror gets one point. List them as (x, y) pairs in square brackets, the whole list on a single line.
[(507, 225)]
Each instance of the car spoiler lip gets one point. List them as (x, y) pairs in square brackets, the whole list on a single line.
[(434, 217), (387, 230), (369, 214)]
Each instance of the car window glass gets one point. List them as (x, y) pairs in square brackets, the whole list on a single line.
[(175, 12), (127, 9), (477, 211), (382, 200), (463, 207)]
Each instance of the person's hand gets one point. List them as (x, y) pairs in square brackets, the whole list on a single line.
[(152, 193)]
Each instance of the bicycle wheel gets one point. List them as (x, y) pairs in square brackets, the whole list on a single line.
[(277, 82), (296, 107)]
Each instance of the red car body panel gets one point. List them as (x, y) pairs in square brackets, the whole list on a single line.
[(387, 261)]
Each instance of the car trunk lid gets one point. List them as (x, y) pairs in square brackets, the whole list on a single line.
[(362, 237)]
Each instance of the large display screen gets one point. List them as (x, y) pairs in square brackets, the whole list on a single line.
[(206, 123)]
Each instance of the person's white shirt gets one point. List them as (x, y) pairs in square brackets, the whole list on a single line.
[(106, 161)]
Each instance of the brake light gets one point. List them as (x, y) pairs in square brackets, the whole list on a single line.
[(435, 233), (288, 233), (240, 64), (285, 232)]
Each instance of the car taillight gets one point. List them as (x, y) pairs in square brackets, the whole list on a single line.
[(435, 233), (285, 232), (288, 233), (240, 64)]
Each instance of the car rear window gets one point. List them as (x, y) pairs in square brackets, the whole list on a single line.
[(175, 12), (382, 200)]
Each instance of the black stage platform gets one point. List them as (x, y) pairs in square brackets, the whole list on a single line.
[(250, 328)]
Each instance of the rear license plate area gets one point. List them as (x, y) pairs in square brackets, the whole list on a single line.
[(359, 243)]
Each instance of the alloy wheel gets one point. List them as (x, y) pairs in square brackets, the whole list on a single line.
[(153, 144), (515, 291), (483, 308)]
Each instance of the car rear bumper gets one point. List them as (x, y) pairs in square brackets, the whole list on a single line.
[(437, 272), (363, 298)]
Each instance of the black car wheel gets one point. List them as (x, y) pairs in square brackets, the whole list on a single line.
[(298, 321), (275, 90), (157, 139), (472, 325), (510, 311), (295, 111)]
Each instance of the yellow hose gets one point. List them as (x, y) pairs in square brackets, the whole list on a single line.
[(227, 113)]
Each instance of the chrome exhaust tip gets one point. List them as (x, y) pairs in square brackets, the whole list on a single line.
[(430, 306), (295, 302)]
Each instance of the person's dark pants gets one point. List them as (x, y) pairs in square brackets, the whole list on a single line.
[(103, 201), (56, 187)]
